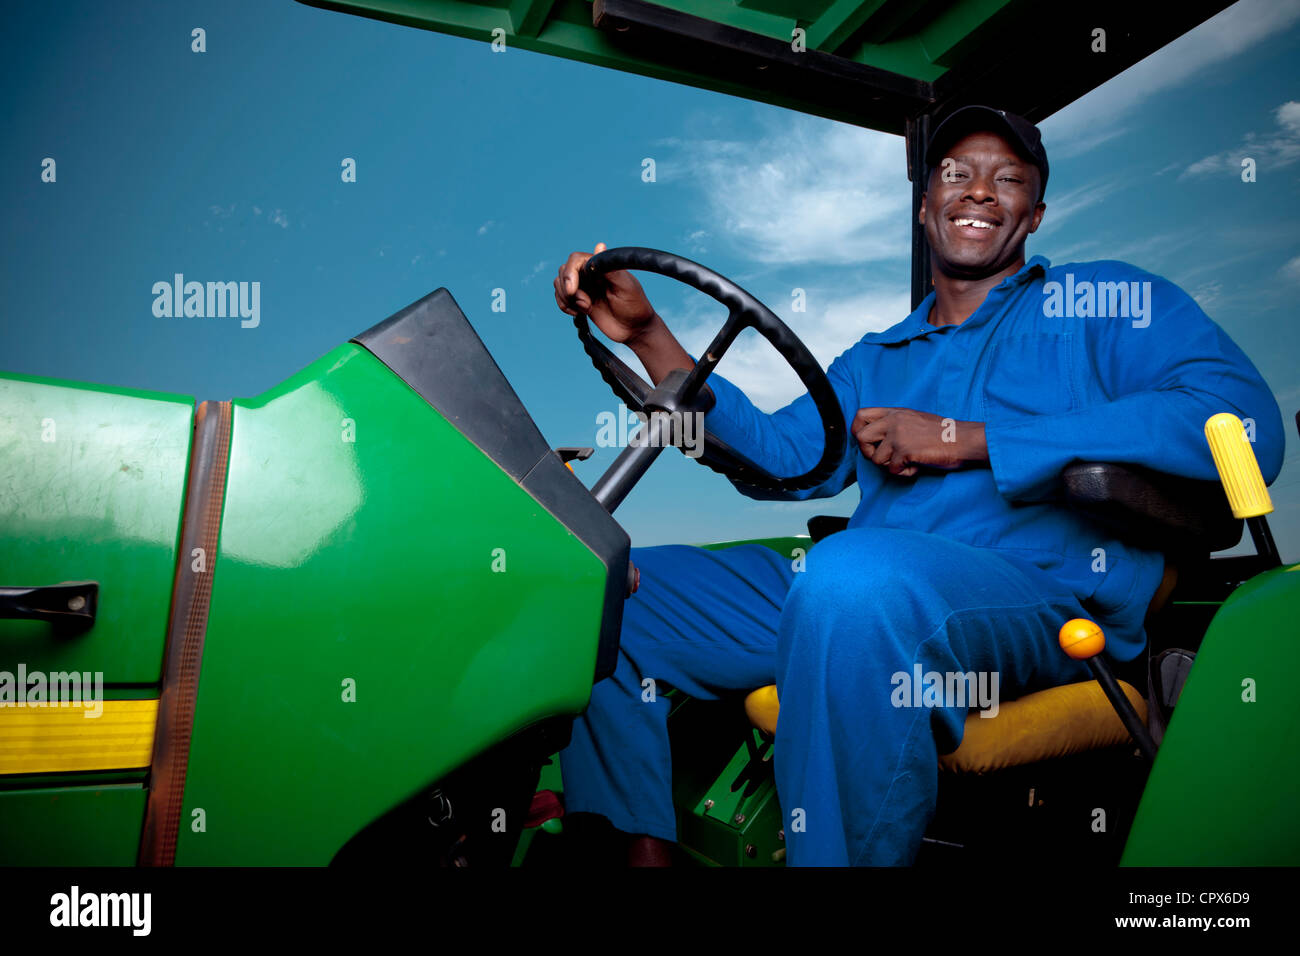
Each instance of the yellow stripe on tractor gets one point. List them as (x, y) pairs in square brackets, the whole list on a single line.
[(53, 739)]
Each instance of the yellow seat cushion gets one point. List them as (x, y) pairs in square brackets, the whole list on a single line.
[(762, 708), (1048, 723)]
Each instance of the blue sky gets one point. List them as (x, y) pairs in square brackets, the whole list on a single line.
[(479, 170)]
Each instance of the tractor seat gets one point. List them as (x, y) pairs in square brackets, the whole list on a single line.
[(1048, 723), (1159, 512)]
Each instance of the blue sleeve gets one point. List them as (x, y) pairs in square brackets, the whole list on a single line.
[(789, 441), (1160, 382)]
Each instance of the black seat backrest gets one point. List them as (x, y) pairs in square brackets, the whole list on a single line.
[(1152, 509), (1149, 509)]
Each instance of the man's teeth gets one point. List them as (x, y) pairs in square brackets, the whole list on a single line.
[(977, 223)]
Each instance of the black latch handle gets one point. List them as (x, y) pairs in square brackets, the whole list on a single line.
[(69, 605)]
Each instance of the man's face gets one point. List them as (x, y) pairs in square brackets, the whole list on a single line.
[(977, 223)]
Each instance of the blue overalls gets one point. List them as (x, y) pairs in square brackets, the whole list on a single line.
[(968, 571)]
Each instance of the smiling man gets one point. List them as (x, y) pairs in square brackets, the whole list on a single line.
[(959, 561)]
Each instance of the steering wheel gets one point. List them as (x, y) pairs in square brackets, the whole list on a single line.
[(679, 391)]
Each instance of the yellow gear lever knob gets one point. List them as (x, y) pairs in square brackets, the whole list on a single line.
[(1238, 469)]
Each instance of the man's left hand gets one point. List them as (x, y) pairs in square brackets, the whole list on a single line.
[(903, 440)]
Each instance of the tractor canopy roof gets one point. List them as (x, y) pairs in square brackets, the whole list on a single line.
[(870, 63)]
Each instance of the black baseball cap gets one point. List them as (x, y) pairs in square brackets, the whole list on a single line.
[(1018, 131)]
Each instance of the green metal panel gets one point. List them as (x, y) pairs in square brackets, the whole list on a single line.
[(833, 26), (67, 826), (1225, 787), (743, 826), (92, 480), (942, 35), (803, 10), (370, 560), (728, 813), (564, 27)]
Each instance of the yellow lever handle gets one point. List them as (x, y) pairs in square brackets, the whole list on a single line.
[(1238, 469)]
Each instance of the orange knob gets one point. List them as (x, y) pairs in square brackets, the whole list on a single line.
[(1082, 639)]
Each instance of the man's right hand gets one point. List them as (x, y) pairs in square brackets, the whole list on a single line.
[(619, 308)]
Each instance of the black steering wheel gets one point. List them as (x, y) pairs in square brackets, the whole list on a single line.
[(679, 391)]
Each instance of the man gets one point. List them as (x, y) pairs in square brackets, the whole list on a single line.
[(957, 559)]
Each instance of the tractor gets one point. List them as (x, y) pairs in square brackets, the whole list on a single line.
[(350, 620)]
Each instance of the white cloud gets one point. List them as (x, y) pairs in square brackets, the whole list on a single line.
[(243, 208), (1273, 150), (1208, 295), (486, 226), (1061, 208), (802, 192), (1097, 117), (1150, 252), (1291, 270), (805, 191)]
